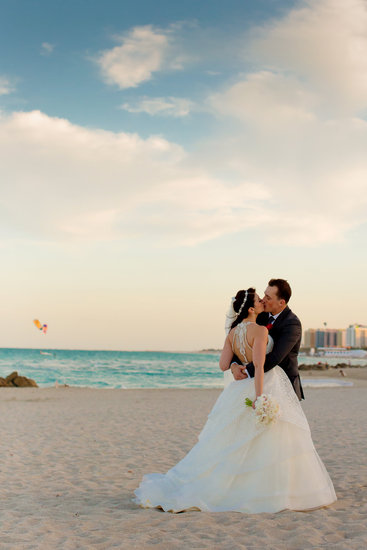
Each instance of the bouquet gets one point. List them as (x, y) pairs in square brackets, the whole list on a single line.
[(267, 409)]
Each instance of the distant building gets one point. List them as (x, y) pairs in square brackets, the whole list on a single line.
[(324, 338), (309, 338), (356, 336)]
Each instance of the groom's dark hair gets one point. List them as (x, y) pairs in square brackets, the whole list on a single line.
[(284, 290)]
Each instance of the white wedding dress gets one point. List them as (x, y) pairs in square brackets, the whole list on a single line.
[(236, 466)]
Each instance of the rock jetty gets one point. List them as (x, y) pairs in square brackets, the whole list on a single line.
[(16, 381)]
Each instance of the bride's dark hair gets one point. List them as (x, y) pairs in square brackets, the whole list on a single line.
[(237, 304)]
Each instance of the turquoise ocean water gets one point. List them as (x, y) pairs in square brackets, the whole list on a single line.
[(113, 369), (120, 369)]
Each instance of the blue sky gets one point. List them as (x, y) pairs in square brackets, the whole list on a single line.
[(64, 82), (157, 157)]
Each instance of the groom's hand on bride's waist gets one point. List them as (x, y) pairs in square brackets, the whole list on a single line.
[(239, 371)]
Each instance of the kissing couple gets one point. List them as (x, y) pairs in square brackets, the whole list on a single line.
[(240, 464)]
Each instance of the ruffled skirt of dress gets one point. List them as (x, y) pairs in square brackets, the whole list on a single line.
[(235, 466)]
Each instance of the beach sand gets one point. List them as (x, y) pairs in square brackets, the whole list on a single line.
[(351, 374), (71, 458)]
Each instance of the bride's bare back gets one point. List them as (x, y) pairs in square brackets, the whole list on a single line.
[(248, 341), (242, 338)]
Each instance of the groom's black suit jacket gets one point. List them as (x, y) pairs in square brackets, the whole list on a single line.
[(286, 333)]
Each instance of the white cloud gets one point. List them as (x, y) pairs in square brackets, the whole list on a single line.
[(287, 158), (267, 99), (47, 48), (314, 170), (65, 182), (5, 86), (168, 106), (142, 52), (296, 124), (324, 42)]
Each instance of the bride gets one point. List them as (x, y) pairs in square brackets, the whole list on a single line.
[(237, 465)]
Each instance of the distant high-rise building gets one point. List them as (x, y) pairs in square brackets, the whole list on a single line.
[(351, 337), (341, 338), (309, 338), (356, 336), (324, 338)]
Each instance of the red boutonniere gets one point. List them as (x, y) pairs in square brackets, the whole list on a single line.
[(269, 326)]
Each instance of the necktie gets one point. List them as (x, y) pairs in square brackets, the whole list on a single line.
[(271, 320)]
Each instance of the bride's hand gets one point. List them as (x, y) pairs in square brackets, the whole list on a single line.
[(253, 403)]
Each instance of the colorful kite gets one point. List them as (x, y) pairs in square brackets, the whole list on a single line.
[(43, 328)]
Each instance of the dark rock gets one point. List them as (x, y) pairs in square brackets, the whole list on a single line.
[(11, 376), (24, 382), (318, 366), (15, 381)]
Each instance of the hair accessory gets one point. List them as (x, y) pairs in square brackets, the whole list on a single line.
[(232, 314), (242, 305)]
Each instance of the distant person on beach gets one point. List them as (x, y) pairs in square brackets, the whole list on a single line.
[(246, 460), (286, 331)]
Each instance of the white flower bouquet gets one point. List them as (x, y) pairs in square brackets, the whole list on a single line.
[(266, 409)]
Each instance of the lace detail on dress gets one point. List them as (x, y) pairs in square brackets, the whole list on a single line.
[(240, 337)]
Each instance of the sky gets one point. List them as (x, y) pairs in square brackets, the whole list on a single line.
[(156, 157)]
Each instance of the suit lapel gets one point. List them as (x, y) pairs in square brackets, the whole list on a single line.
[(262, 318), (279, 320)]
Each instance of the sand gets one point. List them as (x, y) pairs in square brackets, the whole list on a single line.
[(71, 458), (350, 373)]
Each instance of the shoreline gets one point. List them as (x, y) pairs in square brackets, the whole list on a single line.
[(352, 374)]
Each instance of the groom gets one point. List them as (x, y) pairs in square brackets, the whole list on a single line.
[(285, 329)]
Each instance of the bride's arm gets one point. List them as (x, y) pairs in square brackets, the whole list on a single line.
[(258, 357), (227, 354)]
